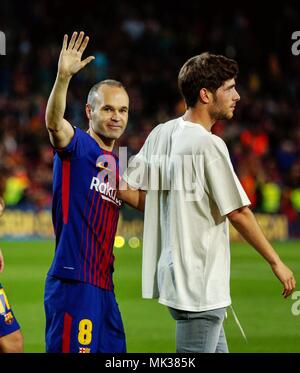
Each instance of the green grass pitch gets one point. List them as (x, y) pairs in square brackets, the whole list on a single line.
[(266, 317)]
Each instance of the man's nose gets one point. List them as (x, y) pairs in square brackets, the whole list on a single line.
[(237, 97), (115, 116)]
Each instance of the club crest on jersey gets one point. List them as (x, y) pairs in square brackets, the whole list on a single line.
[(8, 318), (84, 350)]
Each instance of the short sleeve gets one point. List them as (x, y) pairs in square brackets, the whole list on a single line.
[(222, 182), (78, 145)]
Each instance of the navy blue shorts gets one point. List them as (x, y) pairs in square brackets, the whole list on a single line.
[(82, 318), (8, 322)]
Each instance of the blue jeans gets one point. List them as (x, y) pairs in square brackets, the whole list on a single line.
[(200, 332)]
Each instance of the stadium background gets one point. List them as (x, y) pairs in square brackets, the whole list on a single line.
[(143, 44)]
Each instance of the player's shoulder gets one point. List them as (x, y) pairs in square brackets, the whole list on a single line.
[(85, 140), (165, 127), (81, 133), (80, 144), (218, 141), (215, 144)]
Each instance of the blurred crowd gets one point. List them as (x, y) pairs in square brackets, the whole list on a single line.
[(144, 44)]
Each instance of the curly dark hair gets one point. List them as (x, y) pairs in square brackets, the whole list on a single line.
[(205, 70)]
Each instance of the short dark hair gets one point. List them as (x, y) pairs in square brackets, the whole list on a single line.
[(205, 70), (94, 89)]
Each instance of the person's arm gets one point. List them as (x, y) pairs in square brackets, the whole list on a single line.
[(245, 223), (60, 130), (133, 197), (2, 206), (1, 262)]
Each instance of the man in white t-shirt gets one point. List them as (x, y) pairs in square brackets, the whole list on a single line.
[(191, 190)]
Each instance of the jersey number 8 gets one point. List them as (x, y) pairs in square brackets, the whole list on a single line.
[(85, 332)]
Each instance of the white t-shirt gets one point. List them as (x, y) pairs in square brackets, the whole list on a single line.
[(191, 186)]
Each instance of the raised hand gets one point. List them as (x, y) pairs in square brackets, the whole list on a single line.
[(70, 56)]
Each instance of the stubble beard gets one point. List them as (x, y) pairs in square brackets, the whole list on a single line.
[(221, 115)]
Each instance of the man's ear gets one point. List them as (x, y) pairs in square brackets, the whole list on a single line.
[(204, 95), (88, 111)]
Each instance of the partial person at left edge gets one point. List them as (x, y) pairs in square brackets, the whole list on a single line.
[(82, 314), (11, 339)]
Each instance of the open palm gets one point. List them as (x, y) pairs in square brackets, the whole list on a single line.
[(70, 56)]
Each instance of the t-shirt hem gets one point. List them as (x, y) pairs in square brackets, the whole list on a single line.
[(194, 308), (150, 296)]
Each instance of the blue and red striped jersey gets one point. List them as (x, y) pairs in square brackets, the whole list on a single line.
[(85, 211)]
